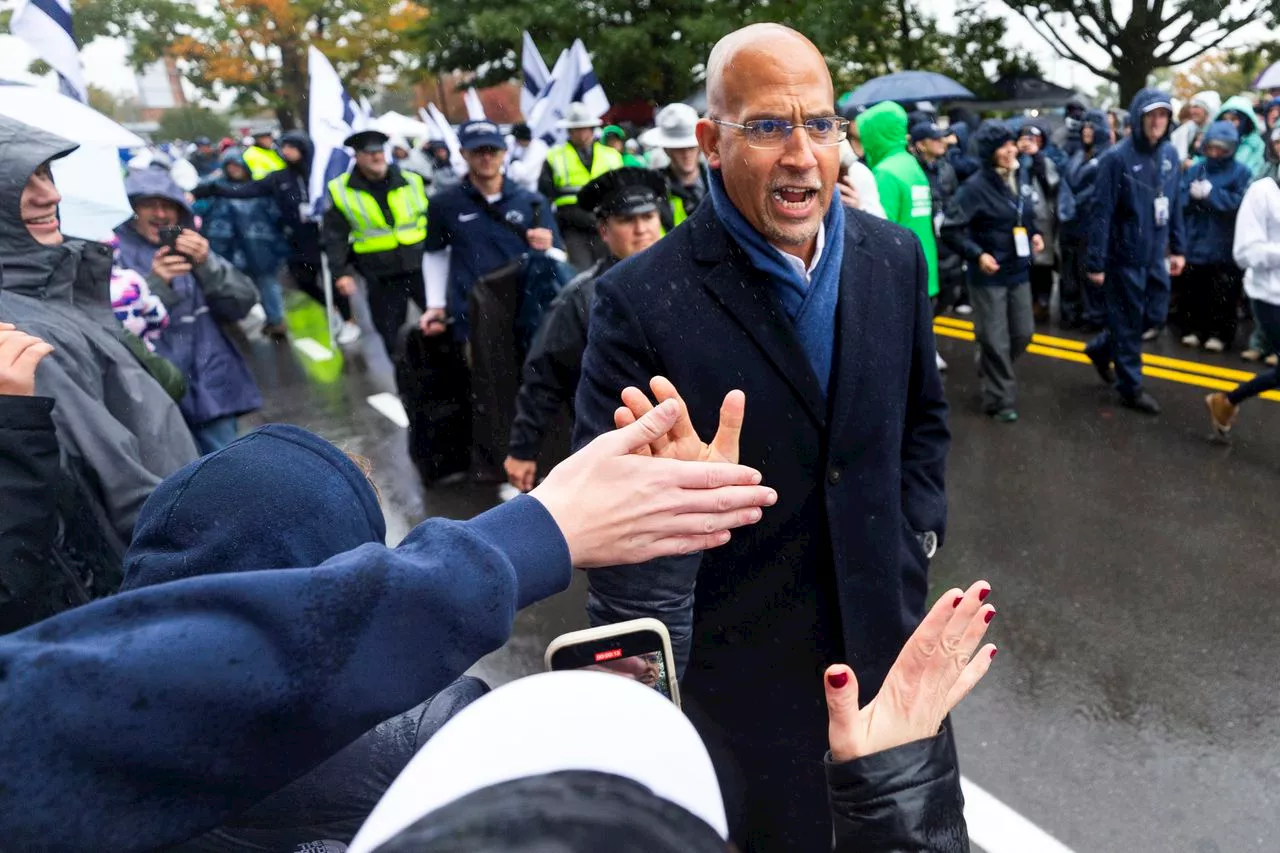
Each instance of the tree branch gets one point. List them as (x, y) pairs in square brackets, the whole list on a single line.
[(1204, 43), (1045, 30)]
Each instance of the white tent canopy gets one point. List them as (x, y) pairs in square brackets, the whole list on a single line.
[(397, 124)]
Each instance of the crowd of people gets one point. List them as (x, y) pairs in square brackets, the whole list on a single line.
[(208, 646)]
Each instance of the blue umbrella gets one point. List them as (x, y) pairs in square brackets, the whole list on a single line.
[(906, 86)]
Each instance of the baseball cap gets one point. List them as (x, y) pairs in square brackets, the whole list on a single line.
[(1162, 104), (535, 734), (480, 134), (522, 132), (926, 130)]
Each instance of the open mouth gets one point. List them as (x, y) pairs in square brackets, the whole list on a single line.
[(41, 223), (794, 198)]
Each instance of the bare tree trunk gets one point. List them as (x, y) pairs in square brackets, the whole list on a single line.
[(906, 52)]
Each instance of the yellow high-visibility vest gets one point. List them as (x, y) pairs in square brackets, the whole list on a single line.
[(571, 175), (262, 161), (370, 231), (677, 209)]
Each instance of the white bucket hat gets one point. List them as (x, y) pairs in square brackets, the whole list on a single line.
[(674, 128), (578, 116)]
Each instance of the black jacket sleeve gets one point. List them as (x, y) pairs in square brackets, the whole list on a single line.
[(901, 800), (926, 437), (551, 373), (29, 523), (336, 236)]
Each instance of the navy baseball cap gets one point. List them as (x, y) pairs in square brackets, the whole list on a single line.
[(480, 134), (926, 130)]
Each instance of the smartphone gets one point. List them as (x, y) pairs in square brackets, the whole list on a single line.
[(169, 235), (639, 650)]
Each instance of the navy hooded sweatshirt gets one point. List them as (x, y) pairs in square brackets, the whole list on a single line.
[(1076, 196), (1123, 234), (1211, 221), (152, 716)]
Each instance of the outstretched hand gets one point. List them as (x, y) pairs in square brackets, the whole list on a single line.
[(935, 670), (682, 441), (614, 506)]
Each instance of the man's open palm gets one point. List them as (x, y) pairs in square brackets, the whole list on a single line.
[(682, 441)]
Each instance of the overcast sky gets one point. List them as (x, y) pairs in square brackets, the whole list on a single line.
[(105, 65)]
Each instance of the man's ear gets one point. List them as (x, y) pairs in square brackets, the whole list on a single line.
[(602, 227), (708, 134)]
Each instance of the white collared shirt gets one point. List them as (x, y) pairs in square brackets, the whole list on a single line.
[(807, 274)]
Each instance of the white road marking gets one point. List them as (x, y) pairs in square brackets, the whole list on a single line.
[(996, 828), (313, 349), (390, 407)]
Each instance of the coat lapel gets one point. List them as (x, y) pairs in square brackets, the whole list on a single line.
[(859, 275), (746, 296)]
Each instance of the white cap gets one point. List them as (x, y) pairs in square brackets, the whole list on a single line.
[(548, 723), (578, 116), (674, 128)]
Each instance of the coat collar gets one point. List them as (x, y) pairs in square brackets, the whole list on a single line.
[(745, 295)]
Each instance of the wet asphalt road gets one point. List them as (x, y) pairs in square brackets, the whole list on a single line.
[(1136, 567)]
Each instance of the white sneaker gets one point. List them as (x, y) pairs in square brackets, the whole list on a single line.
[(1214, 345), (942, 365), (253, 322), (964, 310), (1150, 334), (1190, 341), (348, 334)]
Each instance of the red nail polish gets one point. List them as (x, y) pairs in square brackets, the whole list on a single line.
[(838, 680), (991, 614), (956, 603), (993, 653), (982, 594)]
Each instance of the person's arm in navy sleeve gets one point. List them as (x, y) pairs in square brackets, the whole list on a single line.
[(1177, 229), (925, 436), (29, 473), (1106, 194)]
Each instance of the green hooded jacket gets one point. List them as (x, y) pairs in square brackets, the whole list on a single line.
[(1252, 149), (904, 188)]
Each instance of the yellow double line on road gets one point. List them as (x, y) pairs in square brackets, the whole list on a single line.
[(1155, 366)]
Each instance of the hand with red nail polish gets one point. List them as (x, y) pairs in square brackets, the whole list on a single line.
[(937, 668)]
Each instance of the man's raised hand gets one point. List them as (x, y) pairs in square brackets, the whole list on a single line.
[(682, 441)]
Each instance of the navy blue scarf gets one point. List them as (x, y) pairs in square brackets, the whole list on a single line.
[(811, 305)]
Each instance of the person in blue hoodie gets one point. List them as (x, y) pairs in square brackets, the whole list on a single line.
[(958, 154), (200, 289), (1080, 305), (1210, 286), (152, 716), (991, 222), (246, 231), (1136, 241)]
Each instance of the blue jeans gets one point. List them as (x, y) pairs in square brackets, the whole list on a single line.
[(272, 297), (214, 435), (1268, 317)]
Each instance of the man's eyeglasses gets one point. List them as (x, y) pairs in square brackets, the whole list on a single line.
[(774, 132)]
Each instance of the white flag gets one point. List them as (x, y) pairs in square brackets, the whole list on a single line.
[(475, 109), (332, 117), (535, 75), (553, 101), (45, 25), (588, 89)]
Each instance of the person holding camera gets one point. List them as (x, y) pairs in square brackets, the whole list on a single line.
[(200, 289)]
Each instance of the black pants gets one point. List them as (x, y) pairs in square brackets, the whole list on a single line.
[(389, 301), (1207, 300), (306, 277), (1041, 291), (1080, 302), (951, 290), (1268, 316)]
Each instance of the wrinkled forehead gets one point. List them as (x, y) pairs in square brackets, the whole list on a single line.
[(774, 79)]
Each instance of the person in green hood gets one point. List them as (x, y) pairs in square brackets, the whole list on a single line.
[(904, 187), (1251, 151)]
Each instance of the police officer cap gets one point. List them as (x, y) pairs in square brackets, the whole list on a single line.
[(623, 192), (366, 140)]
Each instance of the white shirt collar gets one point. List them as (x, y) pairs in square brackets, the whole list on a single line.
[(807, 274)]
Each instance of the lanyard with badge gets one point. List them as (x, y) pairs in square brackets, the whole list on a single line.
[(1021, 243)]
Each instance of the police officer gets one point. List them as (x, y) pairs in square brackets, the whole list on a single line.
[(569, 168), (261, 157), (686, 185), (484, 222), (376, 227), (1135, 230), (626, 204)]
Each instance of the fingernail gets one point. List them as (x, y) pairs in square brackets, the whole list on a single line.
[(982, 594), (771, 498), (756, 514), (993, 653), (756, 477), (991, 614), (956, 603), (838, 680), (724, 536)]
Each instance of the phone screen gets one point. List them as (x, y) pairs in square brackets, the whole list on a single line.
[(638, 655)]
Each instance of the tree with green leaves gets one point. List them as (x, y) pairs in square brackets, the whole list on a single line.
[(1155, 34), (654, 51), (193, 121)]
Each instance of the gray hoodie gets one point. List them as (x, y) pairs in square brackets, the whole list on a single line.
[(118, 431)]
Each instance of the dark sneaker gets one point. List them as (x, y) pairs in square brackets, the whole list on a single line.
[(1105, 373), (1144, 403), (1005, 416), (1222, 412)]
